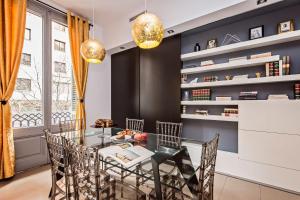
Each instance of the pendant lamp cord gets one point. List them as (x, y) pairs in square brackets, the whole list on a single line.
[(93, 1), (145, 6)]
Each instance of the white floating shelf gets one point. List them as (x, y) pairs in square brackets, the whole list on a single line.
[(208, 103), (251, 44), (210, 117), (271, 79), (231, 65)]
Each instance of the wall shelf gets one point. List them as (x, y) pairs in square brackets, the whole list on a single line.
[(210, 117), (231, 65), (209, 103), (249, 81), (251, 44)]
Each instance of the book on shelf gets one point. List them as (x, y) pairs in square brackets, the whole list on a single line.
[(243, 58), (252, 95), (210, 78), (261, 55), (201, 94), (207, 63), (297, 91), (278, 68), (126, 154), (278, 97), (286, 65), (230, 112), (223, 98)]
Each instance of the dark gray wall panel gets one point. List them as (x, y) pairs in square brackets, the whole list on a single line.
[(239, 25)]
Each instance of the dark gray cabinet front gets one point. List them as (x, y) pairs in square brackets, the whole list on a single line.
[(146, 84)]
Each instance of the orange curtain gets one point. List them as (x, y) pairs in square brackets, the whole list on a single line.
[(12, 29), (78, 33)]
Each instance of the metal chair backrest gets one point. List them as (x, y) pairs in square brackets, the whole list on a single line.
[(89, 180), (207, 169), (169, 134), (135, 124), (71, 125), (59, 160)]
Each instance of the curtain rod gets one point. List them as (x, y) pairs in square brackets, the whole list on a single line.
[(56, 9)]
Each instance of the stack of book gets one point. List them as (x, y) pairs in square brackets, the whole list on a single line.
[(248, 95), (230, 112), (278, 97), (297, 91), (210, 78), (243, 58), (274, 68), (261, 55), (223, 98), (201, 95)]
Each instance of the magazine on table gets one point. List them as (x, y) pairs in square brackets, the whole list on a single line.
[(126, 154)]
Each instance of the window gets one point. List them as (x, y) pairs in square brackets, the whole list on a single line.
[(26, 59), (59, 45), (43, 95), (23, 84), (60, 67), (62, 76), (27, 35), (27, 100)]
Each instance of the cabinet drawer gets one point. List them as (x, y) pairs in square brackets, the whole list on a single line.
[(281, 150), (270, 116)]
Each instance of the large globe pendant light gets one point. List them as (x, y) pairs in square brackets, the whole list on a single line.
[(91, 50), (147, 30)]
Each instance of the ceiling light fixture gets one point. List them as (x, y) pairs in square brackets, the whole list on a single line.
[(147, 30), (91, 50)]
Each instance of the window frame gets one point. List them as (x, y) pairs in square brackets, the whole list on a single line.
[(48, 15)]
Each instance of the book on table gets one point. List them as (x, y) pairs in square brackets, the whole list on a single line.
[(126, 154)]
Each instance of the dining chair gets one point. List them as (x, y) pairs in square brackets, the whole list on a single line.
[(135, 124), (90, 182), (61, 184), (204, 189), (168, 135), (71, 125)]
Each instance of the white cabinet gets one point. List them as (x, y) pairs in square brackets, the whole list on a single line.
[(269, 133), (280, 150), (282, 116)]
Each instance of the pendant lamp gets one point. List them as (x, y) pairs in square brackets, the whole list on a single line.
[(91, 50), (147, 30)]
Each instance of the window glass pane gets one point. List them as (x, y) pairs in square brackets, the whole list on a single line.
[(26, 101), (63, 92)]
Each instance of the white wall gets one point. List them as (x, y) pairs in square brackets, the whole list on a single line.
[(98, 91)]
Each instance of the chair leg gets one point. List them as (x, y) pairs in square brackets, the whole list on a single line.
[(53, 188), (122, 181)]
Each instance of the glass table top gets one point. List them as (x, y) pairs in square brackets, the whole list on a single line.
[(103, 138)]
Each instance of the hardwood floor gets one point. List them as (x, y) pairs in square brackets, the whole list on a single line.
[(35, 184)]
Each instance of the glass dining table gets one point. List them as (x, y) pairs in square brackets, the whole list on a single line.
[(161, 154)]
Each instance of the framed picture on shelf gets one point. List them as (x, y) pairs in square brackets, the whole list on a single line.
[(286, 26), (213, 43), (256, 32)]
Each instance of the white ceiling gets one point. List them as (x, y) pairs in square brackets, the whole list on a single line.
[(108, 11)]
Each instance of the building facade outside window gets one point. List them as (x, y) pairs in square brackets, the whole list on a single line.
[(26, 59), (27, 35), (59, 45), (23, 84)]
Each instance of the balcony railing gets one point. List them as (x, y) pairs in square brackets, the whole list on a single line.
[(36, 119)]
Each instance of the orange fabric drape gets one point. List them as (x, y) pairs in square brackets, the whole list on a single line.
[(12, 29), (78, 33)]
